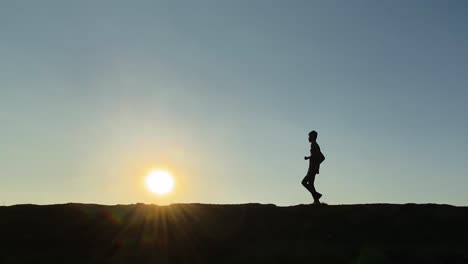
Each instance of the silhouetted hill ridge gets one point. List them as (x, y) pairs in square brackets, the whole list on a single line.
[(239, 233)]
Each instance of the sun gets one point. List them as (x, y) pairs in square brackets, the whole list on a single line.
[(160, 182)]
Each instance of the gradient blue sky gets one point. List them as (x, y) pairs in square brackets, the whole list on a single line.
[(223, 93)]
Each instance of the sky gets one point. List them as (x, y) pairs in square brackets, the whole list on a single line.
[(95, 94)]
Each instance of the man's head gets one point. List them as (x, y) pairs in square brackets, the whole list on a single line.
[(313, 136)]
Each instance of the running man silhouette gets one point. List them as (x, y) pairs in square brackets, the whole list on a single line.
[(316, 157)]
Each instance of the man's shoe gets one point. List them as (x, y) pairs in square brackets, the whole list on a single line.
[(317, 196)]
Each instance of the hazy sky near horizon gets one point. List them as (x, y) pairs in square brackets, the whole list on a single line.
[(94, 94)]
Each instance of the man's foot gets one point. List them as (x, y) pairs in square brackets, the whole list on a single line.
[(317, 202), (317, 196)]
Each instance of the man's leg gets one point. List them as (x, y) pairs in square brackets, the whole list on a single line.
[(315, 194), (308, 183)]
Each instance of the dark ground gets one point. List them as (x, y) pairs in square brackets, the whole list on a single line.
[(248, 233)]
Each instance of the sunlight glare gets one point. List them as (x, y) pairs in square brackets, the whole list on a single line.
[(159, 182)]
